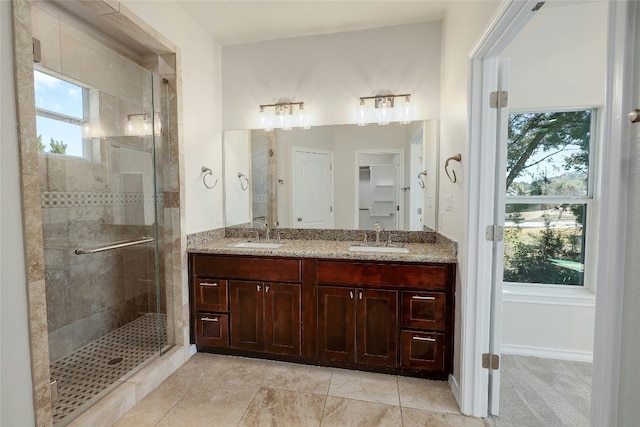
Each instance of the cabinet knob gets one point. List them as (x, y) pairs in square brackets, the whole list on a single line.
[(360, 294), (258, 287), (266, 288), (634, 116), (351, 294), (299, 219), (209, 319)]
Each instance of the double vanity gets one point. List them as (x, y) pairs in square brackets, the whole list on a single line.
[(327, 302)]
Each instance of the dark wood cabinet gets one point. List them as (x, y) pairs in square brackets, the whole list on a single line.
[(265, 316), (212, 329), (336, 323), (377, 327), (247, 315), (357, 325), (282, 318), (380, 316)]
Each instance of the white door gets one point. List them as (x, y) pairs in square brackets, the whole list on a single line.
[(502, 120), (313, 189)]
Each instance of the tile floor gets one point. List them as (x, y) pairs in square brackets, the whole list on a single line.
[(214, 390), (84, 375)]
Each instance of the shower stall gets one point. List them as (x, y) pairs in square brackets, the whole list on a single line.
[(104, 156)]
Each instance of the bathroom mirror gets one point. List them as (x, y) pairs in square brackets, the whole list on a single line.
[(337, 176)]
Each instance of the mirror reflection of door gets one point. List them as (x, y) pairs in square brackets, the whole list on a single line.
[(379, 177), (313, 189)]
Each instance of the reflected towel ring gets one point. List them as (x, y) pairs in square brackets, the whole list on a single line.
[(457, 158), (206, 172), (420, 180), (244, 183)]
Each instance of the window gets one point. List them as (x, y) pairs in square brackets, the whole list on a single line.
[(61, 115), (549, 196)]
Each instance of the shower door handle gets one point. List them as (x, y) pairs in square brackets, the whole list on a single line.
[(114, 245)]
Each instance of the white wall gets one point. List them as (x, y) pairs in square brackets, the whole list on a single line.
[(202, 100), (462, 28), (558, 60), (329, 73), (16, 401), (237, 159)]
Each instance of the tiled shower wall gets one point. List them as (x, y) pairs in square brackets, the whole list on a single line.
[(106, 197)]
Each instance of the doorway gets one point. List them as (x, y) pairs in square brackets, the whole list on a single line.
[(378, 189), (538, 319)]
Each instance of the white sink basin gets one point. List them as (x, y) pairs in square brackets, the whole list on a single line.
[(378, 249), (261, 245)]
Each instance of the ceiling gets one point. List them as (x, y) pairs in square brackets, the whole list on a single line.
[(238, 21)]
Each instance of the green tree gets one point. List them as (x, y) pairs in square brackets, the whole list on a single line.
[(57, 147), (39, 144), (534, 261), (553, 133)]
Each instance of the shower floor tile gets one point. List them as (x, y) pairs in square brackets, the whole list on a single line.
[(90, 370)]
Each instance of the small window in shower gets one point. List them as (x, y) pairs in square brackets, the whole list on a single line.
[(62, 123)]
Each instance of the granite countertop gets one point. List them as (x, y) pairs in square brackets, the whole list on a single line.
[(437, 252)]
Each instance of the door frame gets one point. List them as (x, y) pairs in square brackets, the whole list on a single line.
[(477, 276)]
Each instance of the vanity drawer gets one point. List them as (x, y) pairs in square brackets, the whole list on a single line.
[(211, 294), (422, 350), (247, 268), (399, 275), (212, 330), (423, 310)]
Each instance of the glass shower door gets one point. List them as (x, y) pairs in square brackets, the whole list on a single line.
[(102, 158)]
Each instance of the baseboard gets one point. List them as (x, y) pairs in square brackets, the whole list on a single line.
[(455, 389), (548, 353)]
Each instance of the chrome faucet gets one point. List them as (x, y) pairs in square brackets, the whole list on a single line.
[(377, 228), (265, 227)]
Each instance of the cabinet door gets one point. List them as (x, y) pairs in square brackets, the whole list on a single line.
[(423, 310), (211, 294), (377, 332), (423, 350), (282, 318), (247, 311), (336, 323), (212, 329)]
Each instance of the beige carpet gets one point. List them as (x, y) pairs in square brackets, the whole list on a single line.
[(537, 392)]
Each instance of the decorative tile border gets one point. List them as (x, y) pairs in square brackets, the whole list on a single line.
[(62, 199)]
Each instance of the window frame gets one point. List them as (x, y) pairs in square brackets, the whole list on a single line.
[(574, 294), (82, 123)]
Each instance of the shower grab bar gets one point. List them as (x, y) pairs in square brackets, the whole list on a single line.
[(114, 245)]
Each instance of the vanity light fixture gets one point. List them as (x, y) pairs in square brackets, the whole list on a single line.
[(283, 115), (141, 123), (385, 109)]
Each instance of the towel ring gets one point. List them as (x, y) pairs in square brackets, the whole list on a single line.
[(457, 158), (420, 180), (205, 173), (244, 181)]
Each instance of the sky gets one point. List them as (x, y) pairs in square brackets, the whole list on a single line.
[(62, 97)]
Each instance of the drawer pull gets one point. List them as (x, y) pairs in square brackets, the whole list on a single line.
[(423, 298), (351, 294), (209, 285), (209, 319), (423, 339)]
